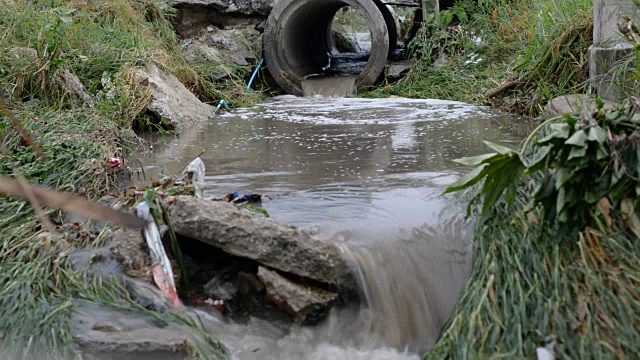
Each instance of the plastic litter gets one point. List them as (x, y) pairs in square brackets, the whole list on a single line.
[(195, 174), (248, 198), (116, 162), (218, 303), (255, 72), (221, 104), (160, 265)]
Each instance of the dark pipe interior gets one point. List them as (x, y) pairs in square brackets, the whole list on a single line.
[(305, 40)]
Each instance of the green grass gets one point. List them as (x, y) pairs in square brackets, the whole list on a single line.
[(523, 289), (559, 260), (101, 43), (540, 46)]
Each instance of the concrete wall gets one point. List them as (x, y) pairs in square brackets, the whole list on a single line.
[(609, 46)]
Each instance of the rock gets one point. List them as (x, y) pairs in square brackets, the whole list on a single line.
[(95, 261), (103, 332), (246, 7), (220, 289), (344, 43), (297, 300), (171, 101), (574, 104), (246, 234), (236, 46), (396, 69), (71, 85), (103, 264), (251, 281), (146, 295), (23, 54), (130, 249)]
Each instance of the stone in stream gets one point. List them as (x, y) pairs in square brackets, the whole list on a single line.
[(172, 103), (297, 300), (245, 234)]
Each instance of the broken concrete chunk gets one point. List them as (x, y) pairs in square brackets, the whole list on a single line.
[(297, 300), (171, 101), (245, 234)]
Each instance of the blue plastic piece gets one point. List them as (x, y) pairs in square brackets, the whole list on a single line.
[(221, 104), (255, 72)]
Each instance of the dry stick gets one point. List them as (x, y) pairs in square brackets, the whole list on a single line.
[(69, 203), (506, 87), (44, 219), (25, 135)]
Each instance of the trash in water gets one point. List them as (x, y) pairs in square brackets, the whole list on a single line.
[(221, 104), (249, 198), (195, 174)]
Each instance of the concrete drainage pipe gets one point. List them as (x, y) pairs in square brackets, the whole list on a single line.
[(297, 40)]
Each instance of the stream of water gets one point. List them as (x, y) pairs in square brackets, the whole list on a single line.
[(367, 174)]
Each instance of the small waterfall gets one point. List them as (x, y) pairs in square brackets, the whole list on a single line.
[(411, 284)]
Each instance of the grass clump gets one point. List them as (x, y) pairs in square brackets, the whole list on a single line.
[(102, 43), (556, 246), (496, 44)]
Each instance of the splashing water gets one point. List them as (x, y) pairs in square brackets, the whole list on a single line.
[(366, 174)]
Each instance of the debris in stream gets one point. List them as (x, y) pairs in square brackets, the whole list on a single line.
[(247, 198)]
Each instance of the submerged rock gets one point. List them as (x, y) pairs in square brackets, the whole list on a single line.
[(172, 103), (297, 300), (245, 234)]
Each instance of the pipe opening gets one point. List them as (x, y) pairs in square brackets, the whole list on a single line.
[(299, 41)]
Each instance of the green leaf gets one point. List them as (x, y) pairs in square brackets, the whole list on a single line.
[(500, 149), (597, 134), (66, 19), (563, 175), (579, 138), (577, 152), (539, 158), (468, 180), (560, 200), (474, 160), (502, 176), (602, 152), (599, 103), (556, 131)]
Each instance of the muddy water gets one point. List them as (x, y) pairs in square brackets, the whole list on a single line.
[(366, 174)]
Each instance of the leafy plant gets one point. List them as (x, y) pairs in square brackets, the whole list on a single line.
[(584, 167)]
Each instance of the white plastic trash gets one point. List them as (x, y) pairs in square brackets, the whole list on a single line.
[(196, 170), (160, 265)]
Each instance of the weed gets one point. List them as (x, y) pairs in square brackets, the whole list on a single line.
[(536, 60)]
